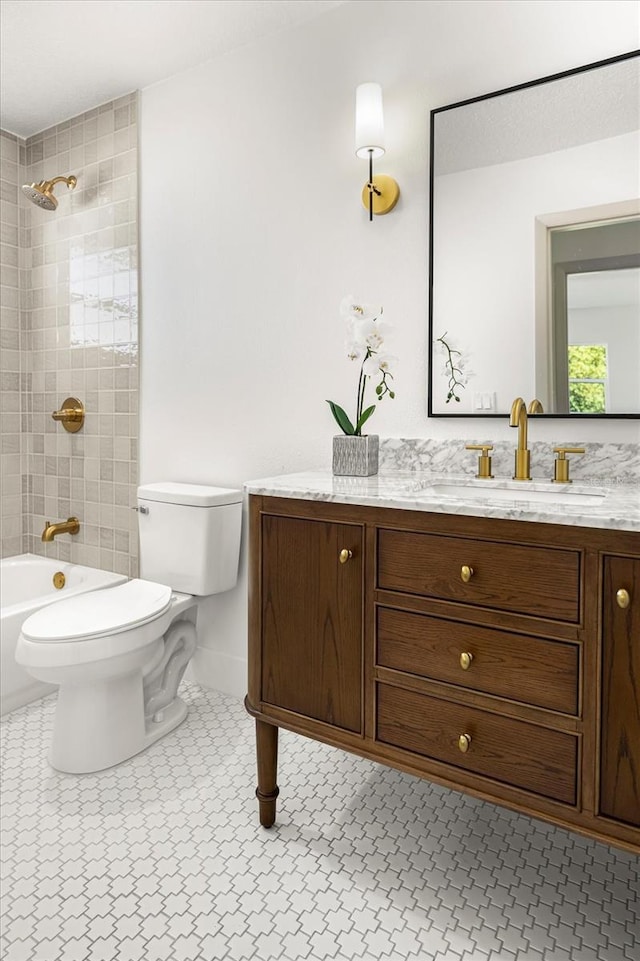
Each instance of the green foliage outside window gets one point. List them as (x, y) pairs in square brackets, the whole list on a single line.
[(587, 376)]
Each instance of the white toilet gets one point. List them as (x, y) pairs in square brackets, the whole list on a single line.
[(119, 654)]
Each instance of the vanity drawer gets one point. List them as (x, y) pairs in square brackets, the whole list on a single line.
[(524, 668), (540, 581), (514, 752)]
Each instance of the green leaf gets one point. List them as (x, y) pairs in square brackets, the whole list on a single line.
[(342, 419), (366, 414)]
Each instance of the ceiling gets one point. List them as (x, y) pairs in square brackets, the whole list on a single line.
[(62, 57)]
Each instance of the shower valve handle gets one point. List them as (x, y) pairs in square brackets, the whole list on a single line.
[(71, 414)]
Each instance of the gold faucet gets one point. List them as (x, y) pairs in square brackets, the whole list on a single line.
[(70, 526), (518, 419)]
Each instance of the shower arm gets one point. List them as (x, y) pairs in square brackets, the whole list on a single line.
[(69, 181)]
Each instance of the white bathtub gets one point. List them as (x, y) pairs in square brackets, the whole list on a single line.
[(26, 585)]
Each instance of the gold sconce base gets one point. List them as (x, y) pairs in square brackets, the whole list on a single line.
[(385, 194)]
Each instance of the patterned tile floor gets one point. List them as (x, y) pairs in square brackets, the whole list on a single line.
[(162, 859)]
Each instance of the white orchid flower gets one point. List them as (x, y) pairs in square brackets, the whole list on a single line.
[(371, 333), (351, 309), (354, 350), (371, 366), (385, 363), (365, 337)]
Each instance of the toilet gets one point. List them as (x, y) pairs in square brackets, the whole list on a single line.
[(119, 654)]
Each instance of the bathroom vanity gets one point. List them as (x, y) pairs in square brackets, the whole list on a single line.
[(488, 641)]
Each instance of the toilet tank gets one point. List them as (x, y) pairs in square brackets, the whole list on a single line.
[(190, 536)]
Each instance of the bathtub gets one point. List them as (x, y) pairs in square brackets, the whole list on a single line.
[(26, 585)]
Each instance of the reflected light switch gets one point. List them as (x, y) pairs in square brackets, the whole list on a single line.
[(484, 400)]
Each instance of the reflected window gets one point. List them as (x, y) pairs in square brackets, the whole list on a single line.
[(588, 379)]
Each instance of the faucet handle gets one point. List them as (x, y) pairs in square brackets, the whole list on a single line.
[(561, 464), (484, 460)]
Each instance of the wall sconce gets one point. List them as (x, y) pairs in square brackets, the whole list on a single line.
[(379, 195)]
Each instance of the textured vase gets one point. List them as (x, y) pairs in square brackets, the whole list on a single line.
[(355, 456)]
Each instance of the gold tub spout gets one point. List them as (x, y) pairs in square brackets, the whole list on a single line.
[(70, 526)]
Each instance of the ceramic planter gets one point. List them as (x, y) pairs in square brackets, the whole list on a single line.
[(355, 456)]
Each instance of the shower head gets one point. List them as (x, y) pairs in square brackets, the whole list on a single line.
[(41, 194)]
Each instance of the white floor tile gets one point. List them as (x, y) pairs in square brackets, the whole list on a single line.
[(163, 858)]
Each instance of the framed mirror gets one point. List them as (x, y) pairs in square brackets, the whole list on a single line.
[(534, 255)]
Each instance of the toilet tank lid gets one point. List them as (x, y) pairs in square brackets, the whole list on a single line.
[(190, 495)]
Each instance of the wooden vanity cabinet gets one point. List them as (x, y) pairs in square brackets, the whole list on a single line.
[(491, 656), (620, 719)]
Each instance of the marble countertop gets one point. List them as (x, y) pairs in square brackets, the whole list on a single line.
[(577, 504)]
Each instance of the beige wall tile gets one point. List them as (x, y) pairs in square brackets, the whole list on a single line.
[(69, 297)]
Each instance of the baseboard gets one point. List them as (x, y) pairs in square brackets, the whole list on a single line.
[(25, 695), (219, 672)]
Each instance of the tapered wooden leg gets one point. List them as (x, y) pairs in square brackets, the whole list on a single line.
[(267, 756)]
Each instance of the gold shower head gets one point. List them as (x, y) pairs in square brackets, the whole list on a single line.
[(41, 194)]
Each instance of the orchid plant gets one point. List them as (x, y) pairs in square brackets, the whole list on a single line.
[(455, 369), (364, 343)]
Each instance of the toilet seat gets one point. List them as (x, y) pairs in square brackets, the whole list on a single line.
[(98, 614), (97, 626)]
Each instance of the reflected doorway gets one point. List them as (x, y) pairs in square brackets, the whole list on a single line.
[(595, 299)]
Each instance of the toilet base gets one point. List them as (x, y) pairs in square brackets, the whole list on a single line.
[(113, 725), (167, 719)]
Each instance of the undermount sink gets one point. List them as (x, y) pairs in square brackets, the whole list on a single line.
[(553, 495)]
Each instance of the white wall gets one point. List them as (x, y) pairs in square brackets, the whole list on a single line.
[(252, 231)]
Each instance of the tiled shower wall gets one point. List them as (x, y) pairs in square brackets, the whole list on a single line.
[(79, 337), (10, 465)]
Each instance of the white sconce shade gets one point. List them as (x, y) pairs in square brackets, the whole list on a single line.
[(369, 121)]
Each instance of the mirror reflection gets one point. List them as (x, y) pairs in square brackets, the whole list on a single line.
[(535, 247)]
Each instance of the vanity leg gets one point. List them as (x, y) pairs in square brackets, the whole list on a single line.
[(267, 756)]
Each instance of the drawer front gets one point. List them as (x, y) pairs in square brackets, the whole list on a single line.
[(539, 581), (514, 752), (521, 667)]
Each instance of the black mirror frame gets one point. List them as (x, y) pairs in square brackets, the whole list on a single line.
[(462, 103)]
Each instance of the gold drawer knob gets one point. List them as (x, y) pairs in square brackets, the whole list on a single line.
[(465, 660), (622, 598), (464, 742), (466, 573), (345, 555)]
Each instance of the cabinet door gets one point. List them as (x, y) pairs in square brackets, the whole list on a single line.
[(312, 619), (620, 760)]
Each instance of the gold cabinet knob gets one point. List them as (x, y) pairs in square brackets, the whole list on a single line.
[(345, 555), (622, 598), (465, 660), (464, 742), (466, 573)]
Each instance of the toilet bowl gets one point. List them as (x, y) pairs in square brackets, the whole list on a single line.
[(118, 655)]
